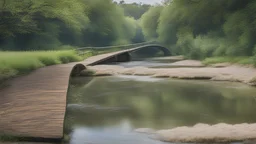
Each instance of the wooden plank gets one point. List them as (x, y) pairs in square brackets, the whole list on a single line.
[(34, 105)]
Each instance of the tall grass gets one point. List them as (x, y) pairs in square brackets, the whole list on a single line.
[(16, 63)]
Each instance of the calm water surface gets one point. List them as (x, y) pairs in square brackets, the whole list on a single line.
[(106, 110)]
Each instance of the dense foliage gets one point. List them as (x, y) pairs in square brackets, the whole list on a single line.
[(149, 22), (48, 24), (204, 28), (195, 28), (135, 10)]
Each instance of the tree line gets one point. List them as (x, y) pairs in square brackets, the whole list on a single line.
[(194, 28), (203, 28), (48, 24)]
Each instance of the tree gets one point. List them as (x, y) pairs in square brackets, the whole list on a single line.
[(106, 23), (47, 24), (232, 25), (134, 10), (121, 2), (26, 16), (149, 22)]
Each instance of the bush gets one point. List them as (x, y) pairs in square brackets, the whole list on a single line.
[(49, 59), (6, 72), (68, 56)]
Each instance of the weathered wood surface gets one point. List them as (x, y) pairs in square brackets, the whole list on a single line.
[(34, 105), (96, 59)]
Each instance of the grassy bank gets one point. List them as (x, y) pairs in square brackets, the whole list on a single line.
[(17, 63), (232, 60)]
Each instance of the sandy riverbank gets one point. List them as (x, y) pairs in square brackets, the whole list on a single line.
[(233, 73), (202, 133)]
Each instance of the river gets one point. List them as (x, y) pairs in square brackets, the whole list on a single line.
[(108, 110)]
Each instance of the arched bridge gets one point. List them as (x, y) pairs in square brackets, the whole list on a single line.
[(34, 105), (124, 55), (165, 51)]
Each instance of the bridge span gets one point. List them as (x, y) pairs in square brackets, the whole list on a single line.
[(34, 105), (123, 55)]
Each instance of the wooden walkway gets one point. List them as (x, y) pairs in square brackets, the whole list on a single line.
[(34, 105)]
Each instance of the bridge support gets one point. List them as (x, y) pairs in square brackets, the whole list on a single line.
[(123, 57), (77, 69)]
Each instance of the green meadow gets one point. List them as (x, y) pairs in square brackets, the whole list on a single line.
[(18, 63)]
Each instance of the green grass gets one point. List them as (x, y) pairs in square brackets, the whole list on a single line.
[(17, 63), (8, 138), (237, 60)]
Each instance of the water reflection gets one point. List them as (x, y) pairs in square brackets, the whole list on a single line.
[(107, 109), (120, 133)]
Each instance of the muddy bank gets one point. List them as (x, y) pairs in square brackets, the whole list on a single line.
[(208, 133), (233, 73)]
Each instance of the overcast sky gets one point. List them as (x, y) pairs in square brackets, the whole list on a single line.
[(143, 1)]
